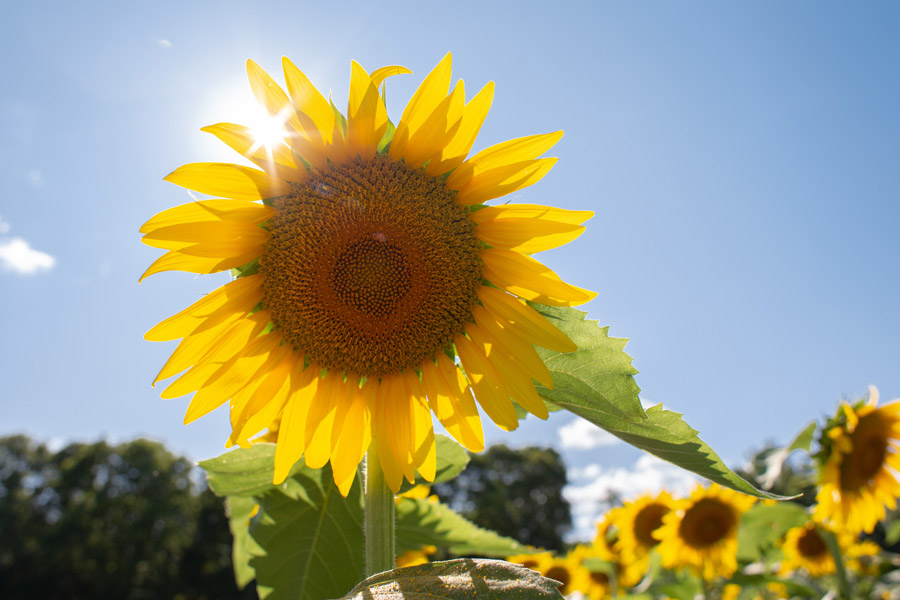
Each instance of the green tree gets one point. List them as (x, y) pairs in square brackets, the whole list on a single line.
[(98, 521), (517, 493)]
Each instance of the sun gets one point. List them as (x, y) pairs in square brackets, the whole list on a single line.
[(376, 286)]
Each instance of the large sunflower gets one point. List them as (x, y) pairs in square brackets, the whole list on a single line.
[(701, 531), (859, 475), (375, 287)]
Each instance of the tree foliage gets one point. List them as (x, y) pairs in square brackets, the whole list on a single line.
[(517, 493), (101, 521)]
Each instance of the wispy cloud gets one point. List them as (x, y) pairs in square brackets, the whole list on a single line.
[(163, 43), (594, 485), (584, 435), (4, 226), (18, 256), (35, 177)]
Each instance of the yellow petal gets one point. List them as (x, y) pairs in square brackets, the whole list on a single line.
[(262, 407), (192, 347), (515, 376), (366, 116), (520, 347), (227, 347), (437, 130), (529, 279), (527, 235), (430, 94), (452, 402), (174, 260), (393, 472), (530, 211), (379, 75), (398, 421), (271, 96), (210, 210), (424, 453), (524, 320), (490, 390), (354, 436), (291, 431), (502, 154), (498, 182), (454, 153), (310, 103), (238, 296), (228, 180), (278, 159), (320, 420), (211, 234)]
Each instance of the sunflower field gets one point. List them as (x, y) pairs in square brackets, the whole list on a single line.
[(380, 282)]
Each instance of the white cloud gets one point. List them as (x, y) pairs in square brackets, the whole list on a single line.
[(593, 485), (165, 43), (19, 257), (584, 435)]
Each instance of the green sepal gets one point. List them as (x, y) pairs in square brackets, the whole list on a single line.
[(250, 268)]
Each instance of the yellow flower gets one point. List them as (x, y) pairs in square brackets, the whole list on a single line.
[(804, 548), (535, 562), (567, 571), (592, 583), (369, 265), (411, 558), (701, 532), (636, 523), (858, 479), (731, 591), (606, 547)]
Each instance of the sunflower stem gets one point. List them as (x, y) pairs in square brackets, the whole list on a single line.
[(378, 516)]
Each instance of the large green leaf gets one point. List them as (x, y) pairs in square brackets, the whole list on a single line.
[(310, 538), (461, 579), (239, 510), (762, 525), (596, 382), (426, 523), (244, 471), (451, 460)]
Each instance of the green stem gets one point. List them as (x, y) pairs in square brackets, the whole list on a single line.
[(378, 517)]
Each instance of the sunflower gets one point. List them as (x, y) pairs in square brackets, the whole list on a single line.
[(594, 579), (701, 531), (636, 521), (805, 548), (568, 571), (606, 547), (861, 460), (374, 286), (535, 562)]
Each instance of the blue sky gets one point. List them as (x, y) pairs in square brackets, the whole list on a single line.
[(742, 160)]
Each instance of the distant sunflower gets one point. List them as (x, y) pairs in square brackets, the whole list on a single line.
[(861, 460), (369, 266), (594, 580), (636, 523), (535, 562), (567, 571), (606, 547), (701, 531), (805, 548)]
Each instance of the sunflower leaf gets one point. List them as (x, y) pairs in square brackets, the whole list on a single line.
[(425, 523), (596, 382), (240, 510), (461, 579), (451, 460), (762, 525), (244, 472), (310, 540)]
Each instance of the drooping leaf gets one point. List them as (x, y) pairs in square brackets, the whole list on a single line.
[(244, 471), (426, 523), (310, 539), (762, 525), (461, 579), (451, 460), (596, 382), (239, 510), (775, 461)]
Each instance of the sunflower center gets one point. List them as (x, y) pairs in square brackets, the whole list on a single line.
[(560, 574), (707, 522), (371, 267), (811, 544), (648, 520), (869, 443), (599, 578)]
